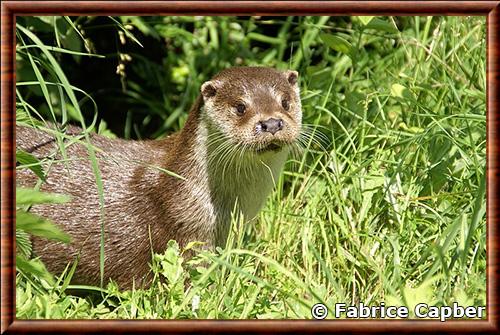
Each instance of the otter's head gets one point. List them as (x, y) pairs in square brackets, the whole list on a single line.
[(256, 108)]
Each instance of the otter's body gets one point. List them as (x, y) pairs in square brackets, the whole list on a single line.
[(226, 162)]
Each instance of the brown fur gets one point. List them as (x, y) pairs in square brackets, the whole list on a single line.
[(140, 199)]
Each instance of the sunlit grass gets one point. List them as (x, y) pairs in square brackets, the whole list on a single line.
[(387, 204)]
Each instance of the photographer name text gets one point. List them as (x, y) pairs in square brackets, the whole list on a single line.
[(421, 311)]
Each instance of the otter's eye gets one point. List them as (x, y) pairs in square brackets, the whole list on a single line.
[(240, 109), (285, 104)]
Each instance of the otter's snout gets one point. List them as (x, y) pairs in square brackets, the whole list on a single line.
[(271, 125)]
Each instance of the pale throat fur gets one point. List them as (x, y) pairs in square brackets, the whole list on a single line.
[(229, 169), (227, 183)]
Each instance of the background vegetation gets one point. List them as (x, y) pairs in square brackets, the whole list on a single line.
[(388, 207)]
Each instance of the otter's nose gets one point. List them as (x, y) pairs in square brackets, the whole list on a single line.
[(271, 125)]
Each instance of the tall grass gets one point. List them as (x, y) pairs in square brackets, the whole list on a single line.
[(387, 205)]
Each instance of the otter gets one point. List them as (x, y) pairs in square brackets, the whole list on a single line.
[(227, 157)]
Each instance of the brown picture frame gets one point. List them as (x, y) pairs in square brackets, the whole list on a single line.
[(10, 9)]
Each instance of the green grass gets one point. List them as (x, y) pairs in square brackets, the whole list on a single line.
[(386, 205)]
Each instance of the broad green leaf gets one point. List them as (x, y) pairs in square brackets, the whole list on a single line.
[(400, 91), (337, 43), (23, 243), (365, 19), (22, 115), (42, 24), (39, 226), (172, 262), (46, 19), (104, 130), (25, 158), (28, 196), (35, 267), (381, 25), (71, 41), (397, 90)]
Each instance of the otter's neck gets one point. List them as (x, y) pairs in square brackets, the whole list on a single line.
[(235, 180)]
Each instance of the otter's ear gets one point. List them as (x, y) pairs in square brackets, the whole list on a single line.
[(209, 88), (292, 76)]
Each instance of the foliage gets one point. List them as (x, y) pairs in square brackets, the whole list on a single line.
[(30, 224), (388, 207)]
